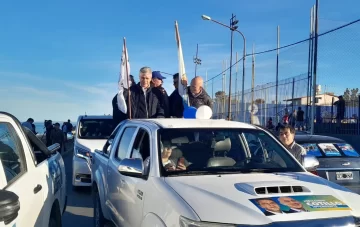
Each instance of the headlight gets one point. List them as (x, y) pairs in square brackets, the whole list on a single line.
[(80, 152), (185, 222)]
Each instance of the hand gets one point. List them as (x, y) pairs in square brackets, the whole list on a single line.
[(169, 167), (184, 82), (180, 166)]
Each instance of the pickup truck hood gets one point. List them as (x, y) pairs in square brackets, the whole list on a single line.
[(229, 198), (90, 144)]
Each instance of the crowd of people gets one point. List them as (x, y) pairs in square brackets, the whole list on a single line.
[(149, 99), (54, 134)]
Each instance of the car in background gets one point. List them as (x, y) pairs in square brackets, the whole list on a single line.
[(91, 133), (339, 162)]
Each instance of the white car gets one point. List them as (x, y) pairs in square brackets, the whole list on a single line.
[(32, 178), (190, 172), (91, 133)]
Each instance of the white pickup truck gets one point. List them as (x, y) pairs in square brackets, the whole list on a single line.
[(191, 172), (32, 178)]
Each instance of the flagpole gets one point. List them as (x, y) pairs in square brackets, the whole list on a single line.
[(127, 77)]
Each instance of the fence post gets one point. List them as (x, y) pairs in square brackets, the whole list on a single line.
[(357, 120), (332, 114), (315, 65), (277, 74), (310, 58)]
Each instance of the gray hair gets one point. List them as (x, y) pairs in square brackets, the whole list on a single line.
[(145, 70)]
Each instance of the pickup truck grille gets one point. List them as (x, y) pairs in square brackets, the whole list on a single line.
[(280, 189)]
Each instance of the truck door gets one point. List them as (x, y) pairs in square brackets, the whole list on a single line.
[(21, 176), (133, 188), (114, 179)]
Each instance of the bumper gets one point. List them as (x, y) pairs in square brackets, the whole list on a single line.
[(81, 172)]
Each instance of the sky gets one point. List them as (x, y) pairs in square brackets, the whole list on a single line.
[(59, 60)]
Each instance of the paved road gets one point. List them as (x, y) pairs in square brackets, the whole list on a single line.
[(80, 204)]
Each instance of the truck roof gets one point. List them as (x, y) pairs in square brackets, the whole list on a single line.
[(95, 117), (195, 123)]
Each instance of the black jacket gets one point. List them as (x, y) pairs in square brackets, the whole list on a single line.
[(141, 108), (118, 116), (164, 100), (176, 105), (202, 99)]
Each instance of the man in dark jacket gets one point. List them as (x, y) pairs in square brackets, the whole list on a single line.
[(144, 99), (175, 100), (156, 83), (197, 94)]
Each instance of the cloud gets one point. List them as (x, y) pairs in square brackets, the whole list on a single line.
[(28, 90)]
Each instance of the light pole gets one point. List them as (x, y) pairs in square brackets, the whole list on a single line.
[(197, 60), (233, 28)]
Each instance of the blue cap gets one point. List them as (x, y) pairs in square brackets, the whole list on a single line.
[(157, 75)]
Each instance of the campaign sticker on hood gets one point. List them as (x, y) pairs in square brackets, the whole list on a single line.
[(295, 204)]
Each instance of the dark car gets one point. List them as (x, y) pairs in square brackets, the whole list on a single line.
[(339, 161)]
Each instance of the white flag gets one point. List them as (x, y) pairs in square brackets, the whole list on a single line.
[(123, 79), (124, 68), (182, 89)]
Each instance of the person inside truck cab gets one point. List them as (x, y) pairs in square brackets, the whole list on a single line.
[(167, 162)]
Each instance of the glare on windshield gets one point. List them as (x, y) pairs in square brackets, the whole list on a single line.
[(222, 149)]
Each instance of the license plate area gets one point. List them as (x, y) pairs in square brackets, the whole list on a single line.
[(344, 176)]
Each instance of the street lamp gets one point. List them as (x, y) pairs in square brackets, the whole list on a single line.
[(197, 60), (233, 28)]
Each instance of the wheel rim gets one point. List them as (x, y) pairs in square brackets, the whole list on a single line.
[(97, 212)]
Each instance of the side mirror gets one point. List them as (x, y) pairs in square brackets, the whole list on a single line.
[(310, 163), (53, 148), (133, 167), (9, 206)]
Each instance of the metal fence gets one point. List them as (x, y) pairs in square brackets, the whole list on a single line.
[(282, 79)]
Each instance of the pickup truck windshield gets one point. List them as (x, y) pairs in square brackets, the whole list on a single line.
[(213, 151), (95, 128)]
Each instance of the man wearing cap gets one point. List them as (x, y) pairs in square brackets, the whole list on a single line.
[(156, 83)]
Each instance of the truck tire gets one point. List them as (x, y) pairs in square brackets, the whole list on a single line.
[(99, 220), (55, 216)]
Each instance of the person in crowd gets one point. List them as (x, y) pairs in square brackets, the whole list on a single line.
[(340, 108), (287, 138), (69, 126), (285, 118), (300, 119), (34, 128), (269, 124), (156, 83), (175, 100), (292, 118), (64, 130), (28, 124), (57, 136), (197, 94), (144, 99), (48, 127)]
